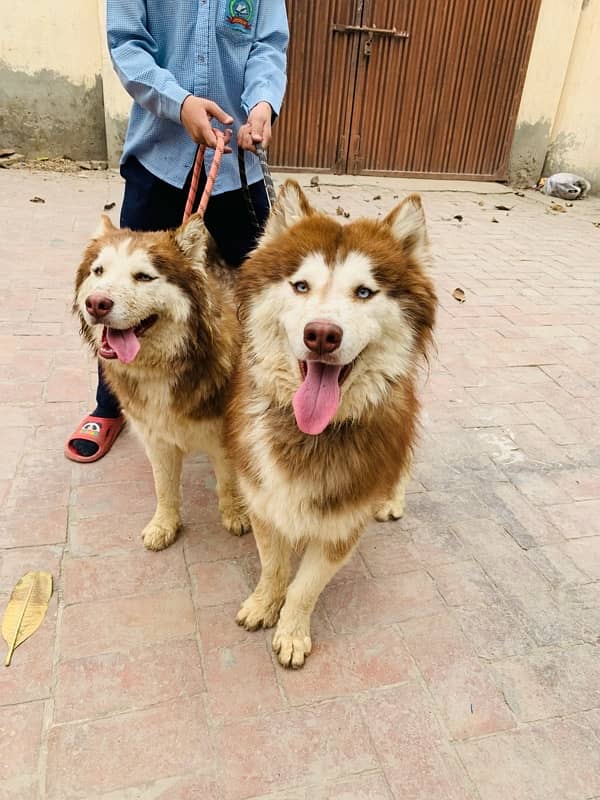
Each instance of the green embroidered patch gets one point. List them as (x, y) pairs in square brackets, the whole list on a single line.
[(241, 12)]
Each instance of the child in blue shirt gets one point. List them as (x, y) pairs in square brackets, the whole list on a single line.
[(189, 64)]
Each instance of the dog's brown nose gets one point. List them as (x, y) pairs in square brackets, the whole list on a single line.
[(98, 305), (322, 337)]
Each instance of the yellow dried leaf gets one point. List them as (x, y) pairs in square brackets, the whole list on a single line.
[(26, 609), (459, 294)]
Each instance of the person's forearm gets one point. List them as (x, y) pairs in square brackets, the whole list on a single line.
[(265, 76), (132, 50)]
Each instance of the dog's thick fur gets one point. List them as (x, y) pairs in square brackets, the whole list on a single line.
[(317, 492), (175, 389)]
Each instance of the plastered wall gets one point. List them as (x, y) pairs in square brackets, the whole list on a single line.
[(116, 100), (575, 137), (60, 96), (51, 98), (550, 54)]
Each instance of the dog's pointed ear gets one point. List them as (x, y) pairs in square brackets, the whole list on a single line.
[(104, 226), (291, 205), (192, 239), (407, 224)]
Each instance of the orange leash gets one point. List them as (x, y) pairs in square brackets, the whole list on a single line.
[(210, 178)]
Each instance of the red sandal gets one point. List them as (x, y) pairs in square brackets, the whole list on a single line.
[(99, 430)]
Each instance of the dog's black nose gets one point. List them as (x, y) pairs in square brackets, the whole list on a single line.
[(98, 305), (322, 337)]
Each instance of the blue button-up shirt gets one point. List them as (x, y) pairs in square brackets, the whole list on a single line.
[(232, 52)]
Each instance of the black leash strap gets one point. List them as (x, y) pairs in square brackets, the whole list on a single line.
[(262, 157)]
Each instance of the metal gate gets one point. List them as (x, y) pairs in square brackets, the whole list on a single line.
[(405, 87)]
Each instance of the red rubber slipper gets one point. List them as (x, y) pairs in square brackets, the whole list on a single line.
[(100, 431)]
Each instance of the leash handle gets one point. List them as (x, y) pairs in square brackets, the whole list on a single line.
[(210, 178)]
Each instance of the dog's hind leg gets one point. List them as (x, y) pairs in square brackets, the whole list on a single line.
[(393, 507), (320, 562), (166, 460), (261, 609)]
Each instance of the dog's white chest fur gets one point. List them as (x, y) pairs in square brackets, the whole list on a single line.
[(289, 504), (162, 421)]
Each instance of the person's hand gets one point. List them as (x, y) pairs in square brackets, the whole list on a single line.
[(257, 129), (196, 114)]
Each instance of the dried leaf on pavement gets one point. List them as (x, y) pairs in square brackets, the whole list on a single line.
[(37, 199), (109, 206), (26, 609), (459, 294)]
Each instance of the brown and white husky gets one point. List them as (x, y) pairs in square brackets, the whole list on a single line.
[(323, 411), (158, 311)]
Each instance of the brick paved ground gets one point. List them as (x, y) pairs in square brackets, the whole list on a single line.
[(457, 655)]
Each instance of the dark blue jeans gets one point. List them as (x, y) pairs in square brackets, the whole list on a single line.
[(150, 204)]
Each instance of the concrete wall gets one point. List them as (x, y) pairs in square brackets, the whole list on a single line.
[(59, 94), (575, 139), (51, 98), (116, 100), (551, 51)]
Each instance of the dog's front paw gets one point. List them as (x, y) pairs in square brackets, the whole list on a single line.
[(391, 509), (258, 611), (160, 533), (292, 644), (234, 518)]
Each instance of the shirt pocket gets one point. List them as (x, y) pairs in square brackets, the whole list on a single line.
[(236, 21)]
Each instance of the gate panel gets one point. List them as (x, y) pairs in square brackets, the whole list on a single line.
[(315, 122), (443, 101)]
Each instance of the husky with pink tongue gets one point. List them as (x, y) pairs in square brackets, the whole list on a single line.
[(336, 320), (158, 309)]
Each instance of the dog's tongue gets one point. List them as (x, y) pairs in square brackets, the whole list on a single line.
[(316, 401), (125, 343)]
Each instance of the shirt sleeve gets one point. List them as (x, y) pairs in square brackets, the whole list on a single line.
[(265, 75), (133, 53)]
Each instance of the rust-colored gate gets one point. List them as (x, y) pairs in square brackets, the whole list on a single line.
[(405, 87)]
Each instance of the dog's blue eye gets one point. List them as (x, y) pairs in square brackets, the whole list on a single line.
[(364, 292), (301, 287), (141, 276)]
